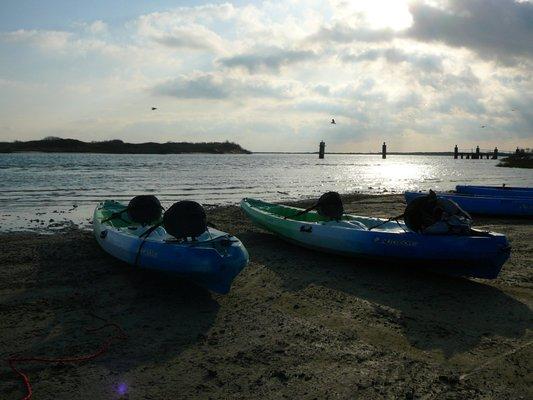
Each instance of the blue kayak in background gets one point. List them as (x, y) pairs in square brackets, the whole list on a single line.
[(498, 191), (486, 205)]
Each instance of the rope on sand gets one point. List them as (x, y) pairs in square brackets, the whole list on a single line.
[(486, 364), (119, 335)]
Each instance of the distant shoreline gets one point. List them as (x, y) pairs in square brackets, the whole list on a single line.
[(412, 153), (229, 152), (58, 145)]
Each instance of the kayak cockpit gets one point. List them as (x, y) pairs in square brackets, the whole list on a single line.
[(347, 221)]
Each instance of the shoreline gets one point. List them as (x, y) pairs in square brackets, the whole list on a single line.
[(296, 324), (59, 218)]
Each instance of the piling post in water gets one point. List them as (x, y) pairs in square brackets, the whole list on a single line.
[(321, 149), (495, 154), (384, 151), (456, 152)]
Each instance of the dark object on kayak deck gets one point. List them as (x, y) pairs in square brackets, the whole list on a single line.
[(185, 219), (144, 209), (329, 205), (435, 215)]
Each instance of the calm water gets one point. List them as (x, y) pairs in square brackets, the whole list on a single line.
[(67, 186)]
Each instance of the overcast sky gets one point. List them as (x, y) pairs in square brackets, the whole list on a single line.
[(422, 75)]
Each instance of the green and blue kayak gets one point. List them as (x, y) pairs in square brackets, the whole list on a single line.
[(481, 254)]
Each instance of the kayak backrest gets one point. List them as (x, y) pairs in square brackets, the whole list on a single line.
[(144, 209), (330, 205), (185, 219)]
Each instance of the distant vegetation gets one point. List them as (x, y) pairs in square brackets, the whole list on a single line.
[(57, 145), (521, 159)]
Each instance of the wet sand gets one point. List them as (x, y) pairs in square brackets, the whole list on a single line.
[(297, 324)]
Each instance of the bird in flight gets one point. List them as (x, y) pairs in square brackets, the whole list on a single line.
[(333, 121), (154, 108)]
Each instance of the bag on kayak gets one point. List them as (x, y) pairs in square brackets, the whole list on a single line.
[(435, 215), (144, 209), (185, 219)]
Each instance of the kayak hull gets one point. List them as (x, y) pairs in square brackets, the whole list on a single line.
[(494, 191), (486, 205), (475, 256), (213, 261)]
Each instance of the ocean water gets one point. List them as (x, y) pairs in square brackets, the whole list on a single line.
[(53, 190)]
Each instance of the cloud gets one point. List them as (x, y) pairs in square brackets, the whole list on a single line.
[(460, 101), (54, 40), (189, 28), (447, 82), (192, 37), (199, 87), (97, 27), (217, 87), (271, 59), (424, 62), (501, 29), (344, 33)]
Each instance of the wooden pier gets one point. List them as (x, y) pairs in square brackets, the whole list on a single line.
[(478, 154)]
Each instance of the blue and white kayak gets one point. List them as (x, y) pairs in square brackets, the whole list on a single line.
[(497, 191), (480, 255), (486, 205), (212, 261)]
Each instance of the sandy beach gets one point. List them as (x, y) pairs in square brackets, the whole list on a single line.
[(297, 324)]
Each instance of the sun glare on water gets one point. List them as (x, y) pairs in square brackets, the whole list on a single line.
[(396, 172)]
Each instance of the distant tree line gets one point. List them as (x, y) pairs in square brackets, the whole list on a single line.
[(53, 144)]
